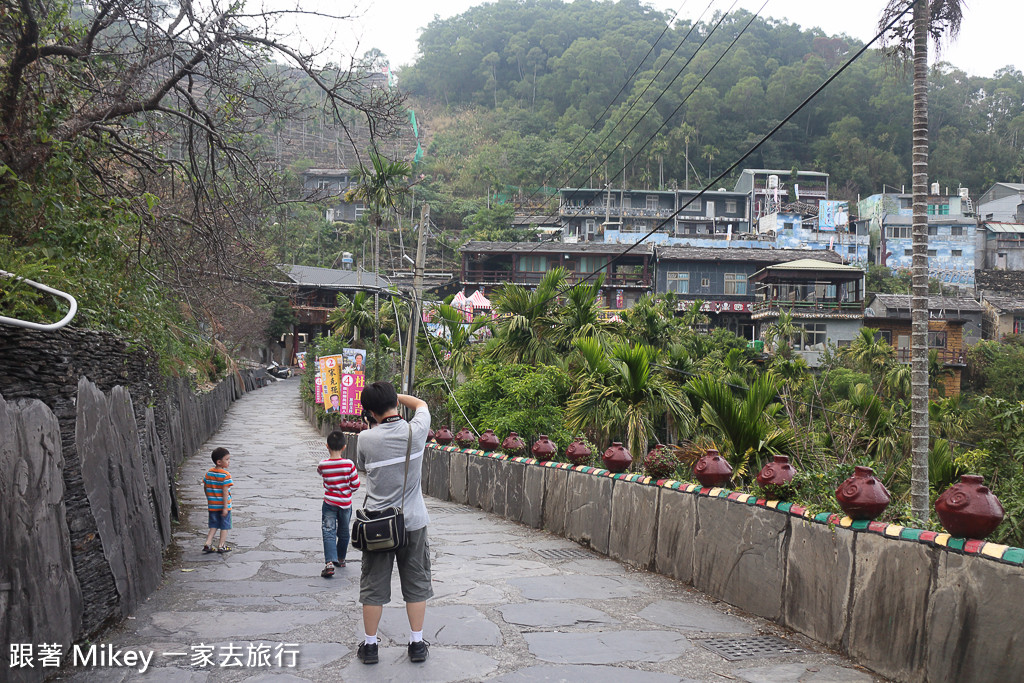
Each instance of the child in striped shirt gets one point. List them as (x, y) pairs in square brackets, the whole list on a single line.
[(217, 485), (340, 480)]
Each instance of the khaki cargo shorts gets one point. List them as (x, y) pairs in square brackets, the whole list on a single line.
[(413, 570)]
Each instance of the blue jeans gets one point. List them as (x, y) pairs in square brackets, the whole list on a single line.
[(336, 532)]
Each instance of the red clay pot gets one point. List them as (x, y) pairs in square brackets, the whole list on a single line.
[(443, 436), (430, 435), (578, 453), (775, 477), (465, 438), (862, 496), (617, 458), (513, 445), (488, 441), (712, 469), (543, 448), (969, 509)]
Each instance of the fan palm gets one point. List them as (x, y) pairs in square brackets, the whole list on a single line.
[(869, 354), (580, 315), (623, 395)]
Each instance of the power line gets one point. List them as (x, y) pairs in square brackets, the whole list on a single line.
[(736, 163)]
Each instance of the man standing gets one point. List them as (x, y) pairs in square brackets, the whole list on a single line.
[(380, 453)]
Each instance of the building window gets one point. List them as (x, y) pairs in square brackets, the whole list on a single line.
[(730, 206), (884, 335), (936, 339), (735, 283), (933, 252), (908, 252), (957, 231), (851, 250), (705, 282), (933, 231), (592, 264), (533, 264), (652, 202), (360, 209), (814, 337), (678, 282), (957, 253), (898, 232), (1018, 325), (323, 184)]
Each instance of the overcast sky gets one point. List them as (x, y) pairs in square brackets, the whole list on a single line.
[(988, 40)]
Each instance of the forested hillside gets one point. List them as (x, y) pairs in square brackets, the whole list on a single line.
[(510, 88)]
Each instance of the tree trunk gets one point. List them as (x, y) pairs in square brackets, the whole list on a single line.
[(919, 272)]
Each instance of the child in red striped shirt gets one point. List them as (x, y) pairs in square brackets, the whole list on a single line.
[(340, 480)]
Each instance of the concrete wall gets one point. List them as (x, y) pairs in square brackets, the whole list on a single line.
[(91, 437), (911, 605)]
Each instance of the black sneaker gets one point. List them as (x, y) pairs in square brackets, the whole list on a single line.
[(368, 653), (418, 651)]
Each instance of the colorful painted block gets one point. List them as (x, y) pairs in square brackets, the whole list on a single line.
[(784, 507), (1014, 555), (994, 550), (772, 504), (877, 527)]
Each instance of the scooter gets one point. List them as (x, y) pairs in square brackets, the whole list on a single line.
[(279, 371)]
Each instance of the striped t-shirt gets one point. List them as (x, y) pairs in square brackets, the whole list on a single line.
[(217, 483), (340, 480)]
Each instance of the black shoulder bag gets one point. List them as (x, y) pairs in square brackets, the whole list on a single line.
[(380, 531)]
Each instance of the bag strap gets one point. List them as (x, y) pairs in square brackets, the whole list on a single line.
[(405, 479)]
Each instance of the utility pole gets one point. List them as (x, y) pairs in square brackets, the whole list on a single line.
[(408, 376)]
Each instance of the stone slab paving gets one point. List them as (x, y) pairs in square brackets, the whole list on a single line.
[(512, 604)]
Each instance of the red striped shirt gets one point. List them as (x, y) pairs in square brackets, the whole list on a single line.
[(340, 480)]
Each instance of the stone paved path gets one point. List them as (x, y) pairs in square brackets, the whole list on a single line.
[(511, 604)]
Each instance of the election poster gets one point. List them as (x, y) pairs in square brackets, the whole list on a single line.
[(353, 379), (330, 380)]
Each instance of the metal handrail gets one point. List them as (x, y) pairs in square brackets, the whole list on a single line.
[(49, 290)]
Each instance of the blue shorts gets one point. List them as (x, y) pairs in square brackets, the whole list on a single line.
[(219, 522)]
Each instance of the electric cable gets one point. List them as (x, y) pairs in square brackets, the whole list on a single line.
[(740, 160), (451, 393)]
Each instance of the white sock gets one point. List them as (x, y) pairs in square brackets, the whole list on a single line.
[(371, 640), (415, 636)]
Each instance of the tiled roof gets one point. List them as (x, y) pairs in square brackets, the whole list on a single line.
[(935, 303), (759, 256), (554, 248), (1006, 304)]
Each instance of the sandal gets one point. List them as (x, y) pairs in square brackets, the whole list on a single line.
[(208, 549), (328, 571), (224, 549)]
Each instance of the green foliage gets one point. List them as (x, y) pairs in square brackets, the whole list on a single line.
[(997, 368), (508, 397)]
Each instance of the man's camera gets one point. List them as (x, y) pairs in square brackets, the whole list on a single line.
[(368, 416)]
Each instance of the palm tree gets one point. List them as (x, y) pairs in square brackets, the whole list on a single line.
[(869, 353), (454, 346), (352, 318), (579, 317), (526, 321), (749, 427), (624, 395), (378, 186), (781, 333), (937, 17)]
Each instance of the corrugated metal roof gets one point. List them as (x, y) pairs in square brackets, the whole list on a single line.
[(814, 264), (311, 276), (996, 226)]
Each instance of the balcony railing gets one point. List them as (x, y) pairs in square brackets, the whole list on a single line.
[(946, 356), (851, 307), (532, 278), (569, 210)]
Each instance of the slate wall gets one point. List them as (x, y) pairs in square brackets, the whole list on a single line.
[(911, 605), (91, 436)]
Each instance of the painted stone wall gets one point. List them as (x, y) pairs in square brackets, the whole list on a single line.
[(912, 605)]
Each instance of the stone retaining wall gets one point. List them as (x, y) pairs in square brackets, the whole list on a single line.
[(91, 437), (909, 604)]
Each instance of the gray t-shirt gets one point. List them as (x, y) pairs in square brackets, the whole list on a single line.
[(380, 452)]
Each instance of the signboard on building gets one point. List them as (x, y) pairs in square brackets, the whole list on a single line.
[(719, 306), (833, 214)]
